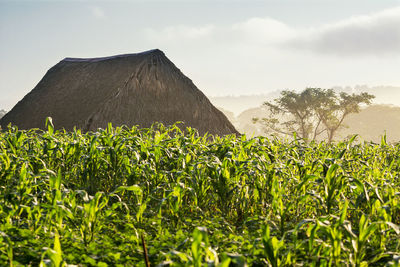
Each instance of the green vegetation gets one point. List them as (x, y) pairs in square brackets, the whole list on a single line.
[(312, 112), (90, 199)]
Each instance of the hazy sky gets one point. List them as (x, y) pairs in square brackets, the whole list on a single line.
[(225, 47)]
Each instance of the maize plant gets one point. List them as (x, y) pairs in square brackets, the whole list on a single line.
[(161, 196)]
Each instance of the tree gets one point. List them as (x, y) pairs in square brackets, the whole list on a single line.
[(312, 112)]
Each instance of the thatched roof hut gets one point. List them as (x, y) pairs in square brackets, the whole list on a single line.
[(132, 89)]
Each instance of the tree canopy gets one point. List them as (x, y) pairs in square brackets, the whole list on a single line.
[(312, 112)]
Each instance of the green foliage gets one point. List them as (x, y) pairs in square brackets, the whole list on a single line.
[(312, 112), (89, 199)]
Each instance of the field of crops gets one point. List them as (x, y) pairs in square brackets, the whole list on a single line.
[(105, 198)]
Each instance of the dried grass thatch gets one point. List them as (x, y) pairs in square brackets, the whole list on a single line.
[(133, 89)]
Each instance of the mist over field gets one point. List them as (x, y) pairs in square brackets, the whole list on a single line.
[(385, 95), (383, 117)]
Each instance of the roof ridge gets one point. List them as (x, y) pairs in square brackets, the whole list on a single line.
[(96, 59)]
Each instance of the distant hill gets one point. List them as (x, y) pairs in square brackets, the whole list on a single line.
[(372, 122), (244, 122), (238, 104)]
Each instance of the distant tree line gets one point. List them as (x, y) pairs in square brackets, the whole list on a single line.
[(312, 113)]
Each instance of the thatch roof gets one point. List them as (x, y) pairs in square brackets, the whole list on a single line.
[(132, 89)]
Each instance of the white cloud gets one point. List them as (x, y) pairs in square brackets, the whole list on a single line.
[(261, 54), (179, 33), (254, 31), (262, 31), (376, 34), (98, 12)]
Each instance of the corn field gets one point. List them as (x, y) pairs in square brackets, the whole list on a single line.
[(162, 197)]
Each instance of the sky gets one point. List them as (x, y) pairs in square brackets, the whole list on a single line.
[(237, 47)]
